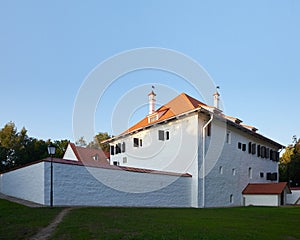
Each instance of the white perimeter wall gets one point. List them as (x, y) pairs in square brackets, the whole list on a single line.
[(261, 200), (25, 183), (74, 185), (292, 198)]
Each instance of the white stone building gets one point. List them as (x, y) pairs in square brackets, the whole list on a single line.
[(187, 136), (184, 154)]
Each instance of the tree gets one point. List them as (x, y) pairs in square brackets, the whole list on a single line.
[(289, 167), (81, 142), (61, 147), (98, 139)]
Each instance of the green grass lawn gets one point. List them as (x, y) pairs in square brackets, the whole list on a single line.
[(20, 222), (161, 223)]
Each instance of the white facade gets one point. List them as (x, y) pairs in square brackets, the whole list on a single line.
[(221, 173), (77, 185), (262, 200), (25, 183)]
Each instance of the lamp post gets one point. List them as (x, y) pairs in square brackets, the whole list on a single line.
[(51, 151)]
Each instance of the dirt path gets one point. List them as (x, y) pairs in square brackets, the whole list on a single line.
[(46, 232)]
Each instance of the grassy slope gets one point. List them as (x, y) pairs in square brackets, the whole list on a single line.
[(20, 222), (146, 223)]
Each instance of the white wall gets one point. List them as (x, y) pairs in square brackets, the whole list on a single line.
[(69, 154), (25, 183), (74, 185), (220, 186), (292, 198), (176, 154), (261, 200)]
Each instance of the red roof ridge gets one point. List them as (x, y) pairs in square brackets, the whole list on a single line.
[(265, 188)]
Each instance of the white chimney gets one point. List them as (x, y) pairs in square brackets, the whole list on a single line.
[(151, 102), (216, 98)]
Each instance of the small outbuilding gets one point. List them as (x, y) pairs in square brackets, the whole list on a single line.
[(265, 194)]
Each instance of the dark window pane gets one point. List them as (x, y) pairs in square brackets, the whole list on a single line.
[(239, 145), (141, 142), (112, 150), (249, 147), (244, 147), (123, 147), (167, 135), (161, 135), (258, 150), (253, 148), (135, 142)]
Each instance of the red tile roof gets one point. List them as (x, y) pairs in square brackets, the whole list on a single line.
[(265, 188), (87, 155), (180, 104)]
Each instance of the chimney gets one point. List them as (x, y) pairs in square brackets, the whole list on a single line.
[(216, 98), (151, 102)]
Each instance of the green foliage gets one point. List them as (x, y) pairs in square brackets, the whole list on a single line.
[(289, 167), (17, 149), (98, 141)]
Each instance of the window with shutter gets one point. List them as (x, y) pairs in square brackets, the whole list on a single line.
[(253, 148), (123, 147), (262, 151), (239, 145), (161, 135), (141, 142), (167, 135), (267, 153), (249, 147), (136, 142), (112, 150), (271, 154), (258, 150), (244, 147)]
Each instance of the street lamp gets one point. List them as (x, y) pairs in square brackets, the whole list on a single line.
[(51, 151)]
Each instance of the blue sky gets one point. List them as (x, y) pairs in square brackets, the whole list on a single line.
[(250, 48)]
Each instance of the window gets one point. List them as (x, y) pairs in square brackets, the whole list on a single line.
[(112, 150), (123, 147), (221, 170), (116, 163), (261, 174), (258, 150), (244, 147), (161, 135), (272, 176), (231, 198), (262, 151), (228, 137), (118, 148), (250, 147), (141, 142), (124, 159), (250, 173), (136, 142), (267, 153), (271, 154), (233, 172), (96, 157), (167, 135), (253, 148), (239, 145)]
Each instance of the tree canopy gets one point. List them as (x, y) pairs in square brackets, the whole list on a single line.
[(17, 148), (289, 167)]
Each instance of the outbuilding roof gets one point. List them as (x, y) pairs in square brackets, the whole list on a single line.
[(266, 188)]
